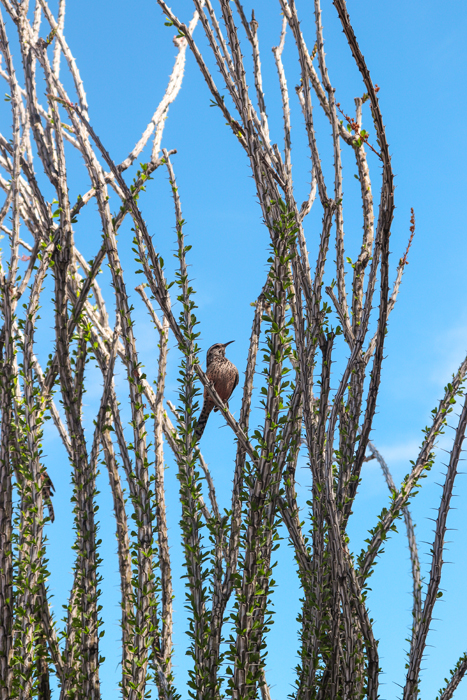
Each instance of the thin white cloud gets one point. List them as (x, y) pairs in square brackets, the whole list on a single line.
[(451, 348), (397, 452)]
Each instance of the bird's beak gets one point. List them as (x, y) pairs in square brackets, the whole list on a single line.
[(230, 341)]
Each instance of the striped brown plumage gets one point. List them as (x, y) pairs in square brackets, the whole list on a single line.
[(224, 375), (47, 493)]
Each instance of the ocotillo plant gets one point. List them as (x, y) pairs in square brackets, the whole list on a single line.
[(228, 555)]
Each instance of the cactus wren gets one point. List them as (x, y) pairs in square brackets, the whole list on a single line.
[(224, 375)]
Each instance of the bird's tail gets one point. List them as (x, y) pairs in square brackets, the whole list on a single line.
[(47, 493), (203, 419)]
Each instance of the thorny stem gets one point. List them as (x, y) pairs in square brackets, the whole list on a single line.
[(231, 567)]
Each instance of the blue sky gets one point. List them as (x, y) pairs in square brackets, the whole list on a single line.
[(417, 55)]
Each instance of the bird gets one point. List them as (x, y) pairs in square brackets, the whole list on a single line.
[(224, 376)]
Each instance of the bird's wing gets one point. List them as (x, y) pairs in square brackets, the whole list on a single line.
[(235, 383)]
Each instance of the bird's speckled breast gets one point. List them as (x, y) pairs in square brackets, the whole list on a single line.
[(224, 375)]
